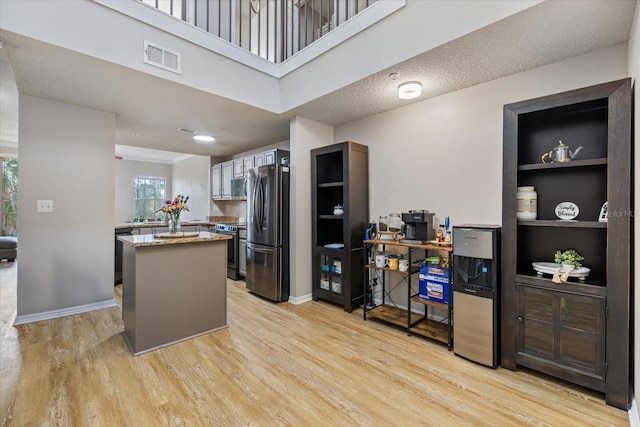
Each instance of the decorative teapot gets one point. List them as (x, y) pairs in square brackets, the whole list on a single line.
[(560, 154)]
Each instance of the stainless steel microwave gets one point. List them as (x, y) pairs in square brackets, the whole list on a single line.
[(238, 190)]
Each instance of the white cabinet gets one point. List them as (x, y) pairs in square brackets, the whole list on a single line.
[(248, 163), (270, 157), (216, 181), (223, 173), (226, 177), (238, 168), (241, 167), (258, 160)]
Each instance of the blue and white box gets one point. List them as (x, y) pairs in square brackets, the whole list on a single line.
[(434, 283)]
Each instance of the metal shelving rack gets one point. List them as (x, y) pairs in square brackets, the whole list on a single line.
[(441, 331)]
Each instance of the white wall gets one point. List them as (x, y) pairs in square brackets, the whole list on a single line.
[(190, 177), (125, 171), (445, 154), (634, 72), (66, 256), (305, 136), (60, 23)]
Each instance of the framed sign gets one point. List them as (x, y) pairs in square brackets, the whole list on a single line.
[(567, 211)]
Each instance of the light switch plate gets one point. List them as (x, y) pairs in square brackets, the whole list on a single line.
[(45, 206)]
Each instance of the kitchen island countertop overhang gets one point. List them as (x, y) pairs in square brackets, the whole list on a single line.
[(183, 237)]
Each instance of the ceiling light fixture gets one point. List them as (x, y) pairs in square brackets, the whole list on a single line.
[(409, 90), (203, 137)]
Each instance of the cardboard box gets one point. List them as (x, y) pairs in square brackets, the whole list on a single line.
[(434, 283)]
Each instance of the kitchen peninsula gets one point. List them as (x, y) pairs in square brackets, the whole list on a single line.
[(174, 288)]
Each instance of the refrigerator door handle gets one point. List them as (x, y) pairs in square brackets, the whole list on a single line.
[(260, 207), (255, 213)]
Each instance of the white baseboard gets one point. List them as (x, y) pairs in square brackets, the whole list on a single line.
[(300, 300), (634, 420), (54, 314)]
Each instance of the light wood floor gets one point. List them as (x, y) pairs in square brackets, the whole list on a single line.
[(276, 364)]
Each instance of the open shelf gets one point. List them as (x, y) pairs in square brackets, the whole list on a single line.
[(330, 217), (413, 270), (398, 317), (441, 305), (565, 165), (588, 287), (562, 223), (330, 184)]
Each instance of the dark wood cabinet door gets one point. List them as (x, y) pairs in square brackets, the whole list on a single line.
[(564, 332)]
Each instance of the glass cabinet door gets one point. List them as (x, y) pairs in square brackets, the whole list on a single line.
[(331, 273)]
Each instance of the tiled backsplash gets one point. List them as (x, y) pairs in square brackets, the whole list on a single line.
[(229, 208), (223, 219)]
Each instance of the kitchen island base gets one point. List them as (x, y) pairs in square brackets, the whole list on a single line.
[(173, 292)]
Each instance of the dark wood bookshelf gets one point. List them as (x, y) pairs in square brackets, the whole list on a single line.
[(578, 331), (339, 175)]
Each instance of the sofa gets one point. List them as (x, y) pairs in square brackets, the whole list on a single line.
[(8, 248)]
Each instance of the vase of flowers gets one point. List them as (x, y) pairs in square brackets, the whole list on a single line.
[(174, 222), (172, 209)]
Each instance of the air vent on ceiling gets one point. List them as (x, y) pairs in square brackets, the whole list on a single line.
[(160, 57)]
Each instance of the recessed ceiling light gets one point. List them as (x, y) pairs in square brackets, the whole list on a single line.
[(409, 90), (203, 137)]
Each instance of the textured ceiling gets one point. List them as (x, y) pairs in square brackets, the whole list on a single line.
[(149, 109), (547, 33)]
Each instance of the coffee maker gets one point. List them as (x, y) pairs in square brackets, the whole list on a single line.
[(418, 226)]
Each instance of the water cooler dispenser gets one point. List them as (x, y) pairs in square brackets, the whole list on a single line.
[(476, 293)]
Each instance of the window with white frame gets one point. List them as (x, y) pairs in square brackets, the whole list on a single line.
[(149, 194)]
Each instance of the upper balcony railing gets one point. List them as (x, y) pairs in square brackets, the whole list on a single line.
[(272, 29)]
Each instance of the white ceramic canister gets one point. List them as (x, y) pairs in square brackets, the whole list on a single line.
[(395, 223), (527, 204)]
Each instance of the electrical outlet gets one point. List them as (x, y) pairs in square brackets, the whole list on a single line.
[(45, 206)]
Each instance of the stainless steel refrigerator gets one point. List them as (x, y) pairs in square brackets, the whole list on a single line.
[(268, 231)]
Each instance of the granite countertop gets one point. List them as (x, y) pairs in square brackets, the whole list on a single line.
[(151, 224), (212, 220), (142, 240)]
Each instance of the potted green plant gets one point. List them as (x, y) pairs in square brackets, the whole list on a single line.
[(567, 258)]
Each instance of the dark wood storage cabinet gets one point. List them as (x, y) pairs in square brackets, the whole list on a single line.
[(579, 330), (339, 176)]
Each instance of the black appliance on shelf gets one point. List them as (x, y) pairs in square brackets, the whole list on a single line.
[(268, 231), (233, 249), (418, 226), (476, 293)]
